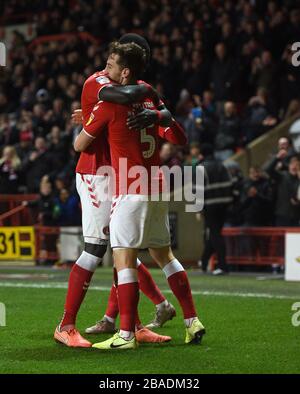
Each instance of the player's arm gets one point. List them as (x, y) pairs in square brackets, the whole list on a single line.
[(174, 133), (82, 141), (94, 126), (128, 94)]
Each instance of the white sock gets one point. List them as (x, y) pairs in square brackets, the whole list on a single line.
[(88, 261), (110, 319), (127, 275), (162, 304), (127, 335), (172, 268), (189, 322)]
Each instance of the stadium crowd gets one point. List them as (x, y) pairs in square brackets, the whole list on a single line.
[(223, 68)]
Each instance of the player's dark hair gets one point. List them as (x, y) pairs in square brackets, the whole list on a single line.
[(131, 56), (139, 40)]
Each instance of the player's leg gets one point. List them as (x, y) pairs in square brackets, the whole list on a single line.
[(94, 249), (128, 297), (107, 323), (180, 286), (126, 230), (164, 309), (160, 250)]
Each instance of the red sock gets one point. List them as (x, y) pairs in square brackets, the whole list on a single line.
[(128, 297), (138, 323), (78, 284), (148, 286), (180, 286), (112, 308)]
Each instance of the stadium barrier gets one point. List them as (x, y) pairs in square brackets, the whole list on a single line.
[(22, 239), (258, 151), (256, 245), (245, 246), (13, 212)]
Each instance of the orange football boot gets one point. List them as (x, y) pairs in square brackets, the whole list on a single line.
[(71, 338), (144, 335)]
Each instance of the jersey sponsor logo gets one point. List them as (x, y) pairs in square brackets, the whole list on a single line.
[(92, 116), (102, 80)]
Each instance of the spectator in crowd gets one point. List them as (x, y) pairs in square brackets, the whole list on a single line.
[(10, 166), (24, 147), (217, 197), (8, 132), (44, 204), (283, 155), (263, 73), (168, 155), (289, 80), (66, 210), (287, 206), (258, 117), (223, 75), (37, 164), (256, 199), (234, 217), (228, 133)]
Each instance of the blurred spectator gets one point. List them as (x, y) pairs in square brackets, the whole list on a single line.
[(37, 164), (228, 134), (218, 196), (258, 117), (263, 72), (66, 212), (45, 203), (256, 199), (25, 145), (283, 155), (234, 217), (10, 166), (223, 75), (168, 155), (287, 208), (290, 79)]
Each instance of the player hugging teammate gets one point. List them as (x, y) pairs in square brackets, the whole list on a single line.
[(112, 132)]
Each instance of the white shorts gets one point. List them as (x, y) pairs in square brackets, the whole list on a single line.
[(92, 191), (138, 223)]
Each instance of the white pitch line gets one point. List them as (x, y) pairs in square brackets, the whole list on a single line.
[(64, 285)]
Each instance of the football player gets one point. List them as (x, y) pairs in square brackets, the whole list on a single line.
[(135, 221)]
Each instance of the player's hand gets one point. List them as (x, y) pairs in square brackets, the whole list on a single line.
[(77, 116), (153, 95), (143, 119)]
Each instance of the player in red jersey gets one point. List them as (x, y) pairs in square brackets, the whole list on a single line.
[(95, 220), (135, 221)]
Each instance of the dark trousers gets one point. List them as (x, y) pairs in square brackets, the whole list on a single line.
[(213, 240)]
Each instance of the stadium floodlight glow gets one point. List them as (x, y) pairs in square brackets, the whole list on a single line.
[(2, 315), (2, 54)]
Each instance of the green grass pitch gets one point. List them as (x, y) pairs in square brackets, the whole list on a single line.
[(248, 324)]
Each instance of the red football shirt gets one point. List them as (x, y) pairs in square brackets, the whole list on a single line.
[(137, 148), (97, 154)]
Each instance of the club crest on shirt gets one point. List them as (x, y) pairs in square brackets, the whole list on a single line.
[(92, 116)]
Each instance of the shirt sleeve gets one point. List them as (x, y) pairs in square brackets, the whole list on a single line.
[(99, 119), (174, 134)]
